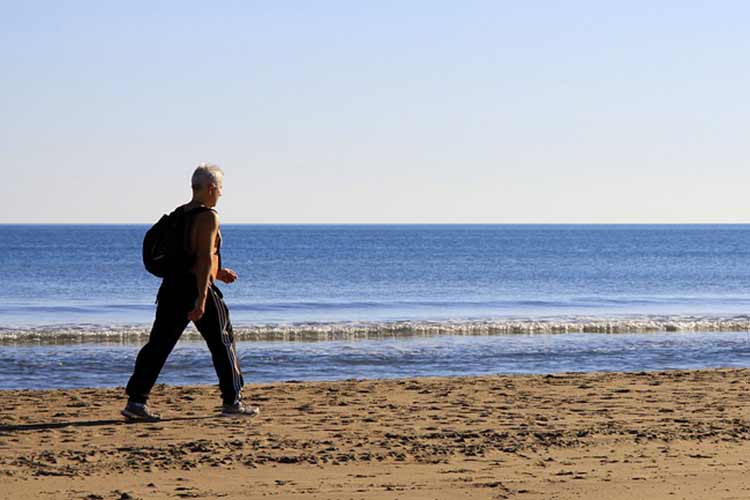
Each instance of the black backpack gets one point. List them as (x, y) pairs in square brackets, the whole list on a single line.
[(166, 243)]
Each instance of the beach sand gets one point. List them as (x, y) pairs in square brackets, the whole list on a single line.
[(670, 435)]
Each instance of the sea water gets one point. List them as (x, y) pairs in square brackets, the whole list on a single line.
[(323, 302)]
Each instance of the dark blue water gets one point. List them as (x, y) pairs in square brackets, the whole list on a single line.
[(391, 300), (93, 274)]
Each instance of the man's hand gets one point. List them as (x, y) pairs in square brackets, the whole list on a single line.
[(197, 313), (226, 275)]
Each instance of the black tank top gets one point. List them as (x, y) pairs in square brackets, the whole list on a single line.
[(218, 246)]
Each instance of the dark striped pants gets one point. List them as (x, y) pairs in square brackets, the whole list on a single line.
[(176, 298)]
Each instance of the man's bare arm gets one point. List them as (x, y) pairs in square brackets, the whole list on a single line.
[(206, 228)]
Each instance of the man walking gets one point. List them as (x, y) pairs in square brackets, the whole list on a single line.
[(188, 295)]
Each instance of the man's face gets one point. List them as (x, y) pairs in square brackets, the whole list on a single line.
[(214, 192)]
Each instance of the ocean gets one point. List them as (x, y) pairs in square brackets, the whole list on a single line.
[(349, 301)]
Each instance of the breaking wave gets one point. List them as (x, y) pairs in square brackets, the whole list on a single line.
[(312, 331)]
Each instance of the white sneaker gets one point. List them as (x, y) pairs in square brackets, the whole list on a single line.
[(239, 410), (140, 412)]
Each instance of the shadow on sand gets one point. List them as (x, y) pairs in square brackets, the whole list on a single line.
[(5, 429)]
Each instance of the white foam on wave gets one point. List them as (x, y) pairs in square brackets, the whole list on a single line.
[(66, 334)]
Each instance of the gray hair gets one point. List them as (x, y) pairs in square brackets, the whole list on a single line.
[(206, 174)]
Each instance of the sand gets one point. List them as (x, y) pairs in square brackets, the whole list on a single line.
[(671, 435)]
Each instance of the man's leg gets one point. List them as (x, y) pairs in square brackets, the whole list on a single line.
[(216, 329), (171, 320)]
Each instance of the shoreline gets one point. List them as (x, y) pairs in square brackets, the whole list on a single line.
[(668, 434)]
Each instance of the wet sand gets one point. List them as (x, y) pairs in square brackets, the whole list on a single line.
[(670, 435)]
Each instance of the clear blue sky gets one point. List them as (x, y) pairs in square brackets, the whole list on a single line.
[(378, 111)]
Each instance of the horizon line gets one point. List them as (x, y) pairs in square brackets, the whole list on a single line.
[(725, 223)]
